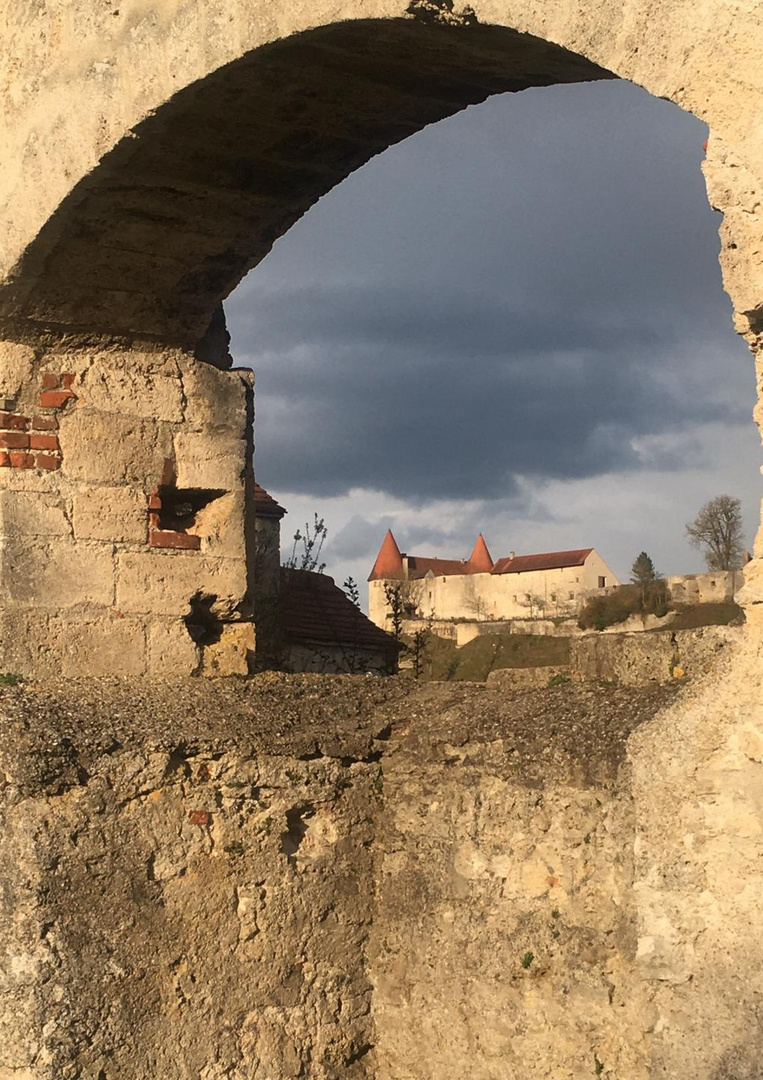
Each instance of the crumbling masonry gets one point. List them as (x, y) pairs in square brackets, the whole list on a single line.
[(152, 153)]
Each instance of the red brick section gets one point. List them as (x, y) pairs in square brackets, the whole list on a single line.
[(21, 460), (16, 439), (43, 442), (44, 423), (55, 399), (56, 389), (165, 538), (12, 422), (47, 461), (199, 817)]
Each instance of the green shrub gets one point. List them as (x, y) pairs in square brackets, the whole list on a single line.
[(600, 612)]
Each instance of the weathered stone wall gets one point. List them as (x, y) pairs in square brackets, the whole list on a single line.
[(123, 479), (504, 941), (697, 785), (186, 882), (651, 656), (568, 891), (326, 877), (716, 587)]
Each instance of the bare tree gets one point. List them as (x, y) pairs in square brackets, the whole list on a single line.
[(717, 531), (308, 558)]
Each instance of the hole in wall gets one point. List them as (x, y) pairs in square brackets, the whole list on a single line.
[(204, 627), (179, 506), (297, 824)]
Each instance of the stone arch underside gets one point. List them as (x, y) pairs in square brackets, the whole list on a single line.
[(176, 214)]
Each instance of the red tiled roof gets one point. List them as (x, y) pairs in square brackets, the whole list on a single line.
[(419, 566), (313, 608), (265, 505), (549, 560), (480, 561), (389, 561)]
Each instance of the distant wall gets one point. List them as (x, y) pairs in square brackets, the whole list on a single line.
[(637, 658), (711, 588)]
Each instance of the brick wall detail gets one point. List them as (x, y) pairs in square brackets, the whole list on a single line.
[(31, 442)]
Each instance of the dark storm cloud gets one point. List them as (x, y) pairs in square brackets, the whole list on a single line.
[(522, 290), (460, 399)]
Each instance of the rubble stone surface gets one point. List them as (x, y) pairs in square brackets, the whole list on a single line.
[(327, 877)]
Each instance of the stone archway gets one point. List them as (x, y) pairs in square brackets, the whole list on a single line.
[(128, 208), (214, 135)]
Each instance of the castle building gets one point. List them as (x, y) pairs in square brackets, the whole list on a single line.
[(552, 583)]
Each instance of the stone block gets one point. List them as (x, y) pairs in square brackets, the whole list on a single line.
[(221, 526), (104, 448), (231, 655), (38, 644), (118, 514), (215, 398), (109, 645), (30, 480), (27, 513), (56, 573), (210, 460), (164, 582), (24, 650), (16, 369), (172, 654), (135, 384)]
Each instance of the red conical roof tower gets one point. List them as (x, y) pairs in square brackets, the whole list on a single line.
[(389, 561), (480, 562)]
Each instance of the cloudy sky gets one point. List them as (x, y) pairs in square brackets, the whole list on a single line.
[(512, 323)]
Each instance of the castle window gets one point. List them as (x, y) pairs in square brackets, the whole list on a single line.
[(602, 583)]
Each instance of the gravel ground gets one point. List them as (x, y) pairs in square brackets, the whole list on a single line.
[(579, 731)]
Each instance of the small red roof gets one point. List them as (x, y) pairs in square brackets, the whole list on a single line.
[(314, 609), (419, 566), (549, 560), (265, 505), (389, 561), (480, 561)]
